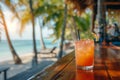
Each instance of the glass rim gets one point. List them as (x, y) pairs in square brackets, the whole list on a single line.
[(84, 40)]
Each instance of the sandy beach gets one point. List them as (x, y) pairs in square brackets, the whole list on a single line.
[(43, 59)]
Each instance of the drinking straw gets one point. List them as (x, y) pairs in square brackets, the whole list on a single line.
[(78, 34)]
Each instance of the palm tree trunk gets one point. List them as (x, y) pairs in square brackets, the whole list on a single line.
[(63, 33), (34, 62), (16, 58), (41, 37), (94, 12)]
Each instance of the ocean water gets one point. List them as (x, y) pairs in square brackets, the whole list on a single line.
[(22, 47)]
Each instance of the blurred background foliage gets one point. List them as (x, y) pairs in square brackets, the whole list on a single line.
[(52, 10)]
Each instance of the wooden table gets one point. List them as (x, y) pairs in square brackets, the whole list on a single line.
[(4, 70), (106, 67)]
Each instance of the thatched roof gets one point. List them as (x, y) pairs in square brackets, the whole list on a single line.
[(81, 5)]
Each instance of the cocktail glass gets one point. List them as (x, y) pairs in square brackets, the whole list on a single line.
[(84, 54)]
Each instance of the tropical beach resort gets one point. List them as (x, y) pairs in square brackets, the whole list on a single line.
[(59, 39)]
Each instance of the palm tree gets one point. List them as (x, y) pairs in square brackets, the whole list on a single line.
[(35, 62), (45, 8), (63, 32), (55, 12), (26, 17), (16, 58), (41, 35)]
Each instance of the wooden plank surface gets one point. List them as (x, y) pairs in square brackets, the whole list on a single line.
[(51, 72), (114, 64), (100, 69), (106, 67), (3, 69), (68, 72), (71, 73), (110, 57)]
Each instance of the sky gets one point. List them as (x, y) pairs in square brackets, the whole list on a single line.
[(14, 26)]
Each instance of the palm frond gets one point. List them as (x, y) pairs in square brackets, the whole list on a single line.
[(11, 7), (25, 19), (82, 23)]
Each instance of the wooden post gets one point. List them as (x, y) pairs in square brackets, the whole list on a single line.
[(94, 12), (101, 19), (104, 20), (5, 75)]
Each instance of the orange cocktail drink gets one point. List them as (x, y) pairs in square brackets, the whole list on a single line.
[(84, 53)]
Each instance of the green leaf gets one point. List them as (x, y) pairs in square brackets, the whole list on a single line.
[(81, 23)]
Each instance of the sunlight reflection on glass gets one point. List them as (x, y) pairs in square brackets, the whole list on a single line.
[(84, 75)]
